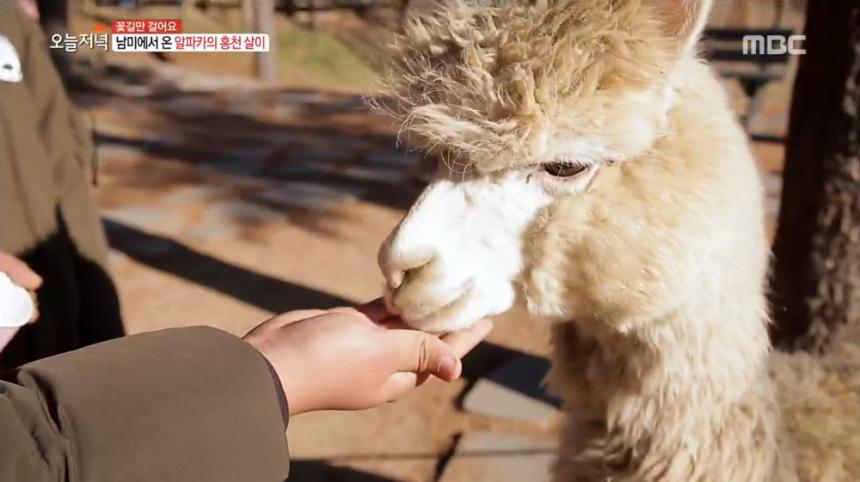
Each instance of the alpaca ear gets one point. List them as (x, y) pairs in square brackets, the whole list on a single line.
[(684, 21)]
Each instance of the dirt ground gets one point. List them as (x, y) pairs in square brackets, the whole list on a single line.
[(226, 202)]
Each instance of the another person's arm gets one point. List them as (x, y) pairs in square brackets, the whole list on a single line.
[(199, 404)]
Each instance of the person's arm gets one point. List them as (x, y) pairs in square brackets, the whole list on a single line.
[(177, 405), (195, 404)]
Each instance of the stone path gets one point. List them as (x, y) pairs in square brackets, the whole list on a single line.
[(499, 457), (515, 391)]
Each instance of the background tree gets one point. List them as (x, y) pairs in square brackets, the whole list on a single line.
[(816, 282), (54, 15)]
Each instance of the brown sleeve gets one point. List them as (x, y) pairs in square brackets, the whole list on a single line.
[(183, 405), (66, 134)]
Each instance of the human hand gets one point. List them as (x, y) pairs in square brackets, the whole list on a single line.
[(21, 275), (19, 272), (353, 359)]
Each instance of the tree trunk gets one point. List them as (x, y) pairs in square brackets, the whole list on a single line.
[(816, 282), (54, 17), (266, 63)]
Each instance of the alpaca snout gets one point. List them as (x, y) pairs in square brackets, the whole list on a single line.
[(425, 288), (446, 263), (400, 263)]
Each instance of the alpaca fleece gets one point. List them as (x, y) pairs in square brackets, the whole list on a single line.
[(655, 272)]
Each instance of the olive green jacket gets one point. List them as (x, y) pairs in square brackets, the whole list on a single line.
[(182, 405), (46, 151), (48, 217)]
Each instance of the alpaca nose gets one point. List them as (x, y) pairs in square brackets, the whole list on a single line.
[(399, 265), (420, 240)]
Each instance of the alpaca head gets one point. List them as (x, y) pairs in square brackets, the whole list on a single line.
[(544, 115)]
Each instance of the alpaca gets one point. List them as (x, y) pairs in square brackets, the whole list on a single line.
[(593, 171)]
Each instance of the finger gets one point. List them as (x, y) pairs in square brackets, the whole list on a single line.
[(349, 310), (297, 315), (375, 310), (418, 352), (394, 323), (400, 383), (397, 385), (462, 342), (19, 272)]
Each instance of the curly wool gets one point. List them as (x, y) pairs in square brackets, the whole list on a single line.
[(657, 273), (484, 82)]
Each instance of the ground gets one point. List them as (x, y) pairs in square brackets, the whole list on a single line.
[(226, 201)]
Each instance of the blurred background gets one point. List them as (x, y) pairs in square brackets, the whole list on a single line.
[(236, 185)]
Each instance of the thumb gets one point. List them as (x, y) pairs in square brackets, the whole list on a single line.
[(19, 272), (420, 352)]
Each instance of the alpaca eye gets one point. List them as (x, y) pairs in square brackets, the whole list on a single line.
[(563, 169)]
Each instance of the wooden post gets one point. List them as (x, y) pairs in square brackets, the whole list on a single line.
[(266, 63), (247, 14)]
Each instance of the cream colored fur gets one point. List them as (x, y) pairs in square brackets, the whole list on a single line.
[(653, 267)]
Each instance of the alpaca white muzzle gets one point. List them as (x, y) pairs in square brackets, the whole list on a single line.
[(457, 253)]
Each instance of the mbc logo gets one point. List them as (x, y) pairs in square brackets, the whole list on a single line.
[(773, 44)]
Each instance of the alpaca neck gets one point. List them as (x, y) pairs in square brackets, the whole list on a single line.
[(677, 394), (674, 385)]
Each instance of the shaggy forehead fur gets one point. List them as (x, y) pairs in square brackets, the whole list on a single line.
[(491, 83)]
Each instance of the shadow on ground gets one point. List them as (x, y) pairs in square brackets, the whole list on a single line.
[(527, 377), (284, 143), (254, 288)]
